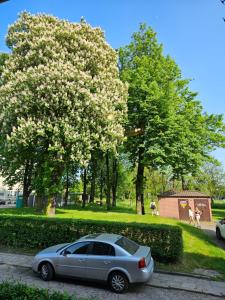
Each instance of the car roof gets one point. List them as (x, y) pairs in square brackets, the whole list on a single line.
[(102, 237)]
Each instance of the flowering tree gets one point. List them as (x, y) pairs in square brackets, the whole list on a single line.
[(61, 96)]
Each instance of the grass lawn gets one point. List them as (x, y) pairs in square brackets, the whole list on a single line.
[(218, 209), (199, 250)]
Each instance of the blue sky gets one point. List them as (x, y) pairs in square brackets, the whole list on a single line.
[(192, 32)]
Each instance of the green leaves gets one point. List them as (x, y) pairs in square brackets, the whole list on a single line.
[(174, 131)]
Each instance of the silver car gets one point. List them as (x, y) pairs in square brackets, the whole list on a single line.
[(104, 257), (220, 229)]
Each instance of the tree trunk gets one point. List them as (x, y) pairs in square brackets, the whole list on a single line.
[(101, 187), (107, 181), (40, 202), (183, 183), (140, 185), (93, 177), (163, 183), (84, 195), (67, 189), (114, 181), (27, 182)]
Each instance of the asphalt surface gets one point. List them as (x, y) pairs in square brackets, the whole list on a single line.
[(210, 229), (96, 291)]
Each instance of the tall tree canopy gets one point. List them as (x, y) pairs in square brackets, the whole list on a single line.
[(168, 125), (60, 98)]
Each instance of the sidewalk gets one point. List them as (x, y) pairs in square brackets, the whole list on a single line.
[(159, 279)]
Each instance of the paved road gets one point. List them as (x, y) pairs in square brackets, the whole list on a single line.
[(210, 229), (101, 292)]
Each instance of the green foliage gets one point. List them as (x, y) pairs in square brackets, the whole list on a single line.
[(14, 291), (166, 125), (165, 240), (210, 179), (153, 100)]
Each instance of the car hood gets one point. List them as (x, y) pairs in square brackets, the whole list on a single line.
[(53, 249)]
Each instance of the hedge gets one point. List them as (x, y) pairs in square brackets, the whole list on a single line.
[(16, 291), (37, 233)]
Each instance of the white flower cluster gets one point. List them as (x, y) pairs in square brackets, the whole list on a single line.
[(61, 85)]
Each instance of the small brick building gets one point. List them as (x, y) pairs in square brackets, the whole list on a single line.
[(176, 204)]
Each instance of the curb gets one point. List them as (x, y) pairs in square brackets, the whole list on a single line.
[(186, 290), (192, 275)]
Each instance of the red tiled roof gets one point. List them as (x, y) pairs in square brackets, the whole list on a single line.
[(191, 194)]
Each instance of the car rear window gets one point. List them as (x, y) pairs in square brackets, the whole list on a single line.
[(128, 245)]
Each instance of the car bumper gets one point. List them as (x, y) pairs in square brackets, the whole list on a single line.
[(145, 274)]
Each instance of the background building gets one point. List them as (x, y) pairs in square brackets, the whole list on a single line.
[(176, 204)]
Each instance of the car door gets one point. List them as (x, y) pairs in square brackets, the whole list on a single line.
[(72, 261), (100, 258)]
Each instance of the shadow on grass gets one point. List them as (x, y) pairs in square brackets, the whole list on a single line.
[(218, 213), (94, 207), (219, 204), (19, 211), (191, 261), (198, 233), (209, 262)]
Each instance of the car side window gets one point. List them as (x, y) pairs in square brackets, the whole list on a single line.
[(78, 248), (99, 248)]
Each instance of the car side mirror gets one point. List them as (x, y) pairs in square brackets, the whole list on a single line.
[(64, 252)]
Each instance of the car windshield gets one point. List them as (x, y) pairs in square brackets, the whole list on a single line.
[(128, 245)]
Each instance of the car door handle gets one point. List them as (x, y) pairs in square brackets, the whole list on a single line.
[(106, 262), (81, 259)]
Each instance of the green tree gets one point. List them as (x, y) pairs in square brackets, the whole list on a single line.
[(193, 137), (61, 97), (155, 85), (211, 179)]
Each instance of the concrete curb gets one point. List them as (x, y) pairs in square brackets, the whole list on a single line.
[(187, 290), (192, 275), (188, 283)]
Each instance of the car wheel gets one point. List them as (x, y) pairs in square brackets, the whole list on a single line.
[(46, 271), (118, 282)]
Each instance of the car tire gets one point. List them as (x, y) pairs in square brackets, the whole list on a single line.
[(118, 282), (46, 271), (218, 234)]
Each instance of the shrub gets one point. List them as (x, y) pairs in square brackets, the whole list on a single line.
[(165, 240), (15, 291)]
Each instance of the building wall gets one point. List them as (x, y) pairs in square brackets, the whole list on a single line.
[(7, 194), (168, 207), (16, 187)]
